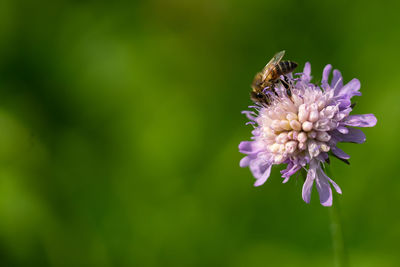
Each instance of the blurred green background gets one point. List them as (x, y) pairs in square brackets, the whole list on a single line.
[(120, 121)]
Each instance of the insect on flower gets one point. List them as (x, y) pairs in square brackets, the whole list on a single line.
[(265, 81), (303, 129)]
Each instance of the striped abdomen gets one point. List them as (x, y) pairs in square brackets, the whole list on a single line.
[(285, 67)]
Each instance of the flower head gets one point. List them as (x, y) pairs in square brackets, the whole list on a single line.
[(303, 129)]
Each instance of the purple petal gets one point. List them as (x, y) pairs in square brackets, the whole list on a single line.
[(354, 136), (325, 74), (342, 129), (261, 171), (288, 167), (365, 120), (244, 162), (324, 190), (344, 102), (251, 115), (323, 174), (289, 171), (343, 113), (264, 177), (339, 153), (307, 69), (249, 147), (337, 188), (323, 157), (259, 166), (350, 89), (307, 186), (255, 132), (245, 147), (337, 80), (306, 72)]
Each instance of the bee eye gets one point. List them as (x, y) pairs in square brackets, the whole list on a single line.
[(259, 95)]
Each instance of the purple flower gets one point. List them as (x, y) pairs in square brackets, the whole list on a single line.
[(302, 130)]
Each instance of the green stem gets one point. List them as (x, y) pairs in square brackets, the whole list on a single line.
[(336, 231), (337, 237)]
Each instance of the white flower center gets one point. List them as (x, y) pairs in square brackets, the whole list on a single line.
[(297, 126)]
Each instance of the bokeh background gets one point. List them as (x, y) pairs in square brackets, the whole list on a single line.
[(120, 121)]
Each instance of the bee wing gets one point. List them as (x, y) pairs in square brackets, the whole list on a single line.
[(275, 60)]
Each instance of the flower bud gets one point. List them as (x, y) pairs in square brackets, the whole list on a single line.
[(312, 134), (307, 126), (291, 116), (323, 136), (302, 137), (324, 148), (291, 146), (284, 124), (295, 125), (303, 113), (302, 146), (282, 138)]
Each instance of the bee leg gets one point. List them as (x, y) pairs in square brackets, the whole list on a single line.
[(287, 86), (273, 89), (267, 100), (260, 98)]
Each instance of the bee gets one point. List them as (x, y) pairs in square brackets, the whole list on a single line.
[(267, 79)]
